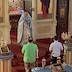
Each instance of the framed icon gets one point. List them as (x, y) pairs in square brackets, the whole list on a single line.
[(62, 12)]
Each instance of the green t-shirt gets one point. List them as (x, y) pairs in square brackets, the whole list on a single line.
[(29, 51)]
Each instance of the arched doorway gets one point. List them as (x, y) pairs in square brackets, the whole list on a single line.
[(16, 8)]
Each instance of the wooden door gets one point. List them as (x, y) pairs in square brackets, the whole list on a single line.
[(62, 16)]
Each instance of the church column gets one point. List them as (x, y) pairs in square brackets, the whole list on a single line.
[(54, 17), (4, 25), (33, 19), (70, 17)]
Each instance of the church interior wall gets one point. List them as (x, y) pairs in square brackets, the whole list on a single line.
[(45, 28), (70, 17)]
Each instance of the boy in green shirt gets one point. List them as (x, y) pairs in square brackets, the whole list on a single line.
[(30, 52)]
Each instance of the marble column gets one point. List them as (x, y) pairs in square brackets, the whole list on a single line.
[(33, 19), (5, 25), (69, 57)]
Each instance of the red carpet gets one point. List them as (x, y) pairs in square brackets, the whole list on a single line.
[(17, 62)]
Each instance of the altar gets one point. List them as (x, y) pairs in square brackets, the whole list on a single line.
[(5, 62), (5, 56)]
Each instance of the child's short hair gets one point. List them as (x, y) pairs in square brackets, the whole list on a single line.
[(30, 39)]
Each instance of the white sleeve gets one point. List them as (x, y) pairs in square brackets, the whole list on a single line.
[(21, 18), (50, 48)]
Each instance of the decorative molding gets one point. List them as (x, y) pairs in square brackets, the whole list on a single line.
[(46, 20), (46, 35), (43, 29)]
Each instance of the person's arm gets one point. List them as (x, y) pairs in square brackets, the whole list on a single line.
[(23, 49), (62, 52), (50, 48), (21, 18), (61, 47), (27, 18), (37, 51)]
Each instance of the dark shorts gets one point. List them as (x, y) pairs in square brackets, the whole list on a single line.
[(54, 60), (29, 66)]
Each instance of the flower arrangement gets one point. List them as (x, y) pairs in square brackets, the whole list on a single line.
[(66, 36), (3, 46)]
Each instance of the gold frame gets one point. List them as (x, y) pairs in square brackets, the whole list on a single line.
[(1, 11), (39, 11), (62, 12)]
